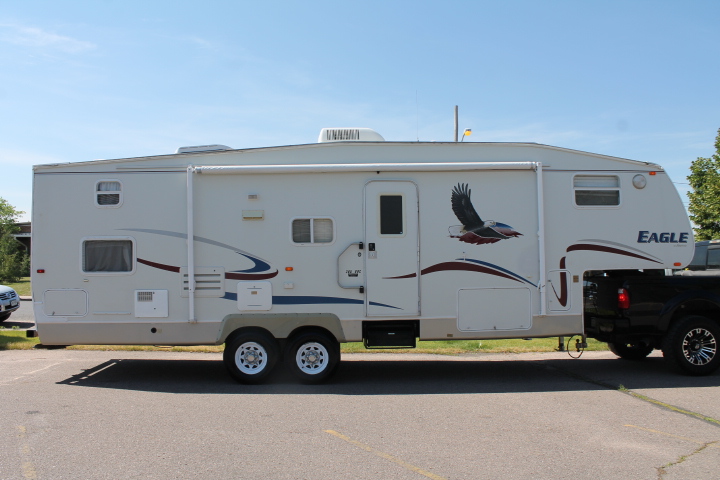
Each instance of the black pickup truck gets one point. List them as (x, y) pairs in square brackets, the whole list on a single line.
[(636, 312)]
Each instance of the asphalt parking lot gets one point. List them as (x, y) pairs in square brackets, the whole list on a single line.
[(85, 414)]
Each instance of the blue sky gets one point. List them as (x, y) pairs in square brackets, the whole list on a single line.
[(108, 79)]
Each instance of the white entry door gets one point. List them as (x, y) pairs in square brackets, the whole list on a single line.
[(392, 260)]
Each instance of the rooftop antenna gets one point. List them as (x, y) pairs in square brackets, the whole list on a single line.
[(417, 117)]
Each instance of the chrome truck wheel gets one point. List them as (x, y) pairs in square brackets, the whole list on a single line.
[(692, 345)]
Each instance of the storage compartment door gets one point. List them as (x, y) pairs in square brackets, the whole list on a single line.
[(65, 303), (558, 290), (494, 309)]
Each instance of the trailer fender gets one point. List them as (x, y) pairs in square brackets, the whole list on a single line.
[(688, 303), (281, 325)]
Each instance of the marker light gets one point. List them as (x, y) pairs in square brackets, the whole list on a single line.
[(41, 270), (288, 269), (677, 264), (653, 173), (623, 299)]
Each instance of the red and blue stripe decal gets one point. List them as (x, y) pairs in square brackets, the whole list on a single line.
[(468, 265)]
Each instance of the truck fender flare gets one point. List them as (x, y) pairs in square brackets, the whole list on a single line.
[(671, 307)]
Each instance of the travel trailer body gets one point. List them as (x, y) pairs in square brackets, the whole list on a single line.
[(296, 249)]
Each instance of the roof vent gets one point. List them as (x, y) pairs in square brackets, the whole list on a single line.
[(203, 148), (349, 135)]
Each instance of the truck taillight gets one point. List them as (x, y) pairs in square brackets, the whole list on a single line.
[(623, 299)]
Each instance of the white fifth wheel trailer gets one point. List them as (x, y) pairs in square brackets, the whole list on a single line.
[(286, 252)]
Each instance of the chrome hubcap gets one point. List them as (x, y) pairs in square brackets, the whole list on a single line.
[(699, 346)]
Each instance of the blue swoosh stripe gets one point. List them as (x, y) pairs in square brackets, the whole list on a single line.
[(311, 300), (259, 265)]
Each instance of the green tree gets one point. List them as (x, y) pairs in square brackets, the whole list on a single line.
[(13, 260), (704, 205)]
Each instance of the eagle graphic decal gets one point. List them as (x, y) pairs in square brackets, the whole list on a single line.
[(473, 229)]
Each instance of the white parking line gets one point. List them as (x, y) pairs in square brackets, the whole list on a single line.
[(28, 374)]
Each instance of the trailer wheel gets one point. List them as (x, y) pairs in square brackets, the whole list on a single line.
[(251, 356), (313, 357), (691, 345), (631, 350)]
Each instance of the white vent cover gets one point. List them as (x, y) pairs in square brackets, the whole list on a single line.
[(209, 282), (203, 148), (349, 135)]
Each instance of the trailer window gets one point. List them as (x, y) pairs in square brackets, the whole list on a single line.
[(596, 190), (391, 215), (313, 230), (108, 193), (107, 256)]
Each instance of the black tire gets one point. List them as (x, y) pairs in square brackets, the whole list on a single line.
[(4, 317), (691, 345), (631, 350), (250, 356), (313, 357)]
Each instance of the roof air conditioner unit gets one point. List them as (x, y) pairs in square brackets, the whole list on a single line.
[(349, 135)]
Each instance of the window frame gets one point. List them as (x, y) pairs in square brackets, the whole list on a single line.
[(617, 189), (119, 192), (108, 238), (312, 218)]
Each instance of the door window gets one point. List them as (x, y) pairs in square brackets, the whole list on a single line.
[(392, 221)]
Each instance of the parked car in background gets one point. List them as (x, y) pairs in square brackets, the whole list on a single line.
[(9, 302), (705, 262)]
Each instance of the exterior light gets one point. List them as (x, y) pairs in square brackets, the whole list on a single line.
[(639, 181)]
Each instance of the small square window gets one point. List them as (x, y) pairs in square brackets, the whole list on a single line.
[(313, 230), (596, 190), (108, 193)]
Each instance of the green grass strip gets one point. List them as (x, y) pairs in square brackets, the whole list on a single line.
[(22, 287)]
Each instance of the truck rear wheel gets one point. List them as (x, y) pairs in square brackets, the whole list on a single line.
[(691, 345), (250, 356), (313, 357), (632, 350)]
